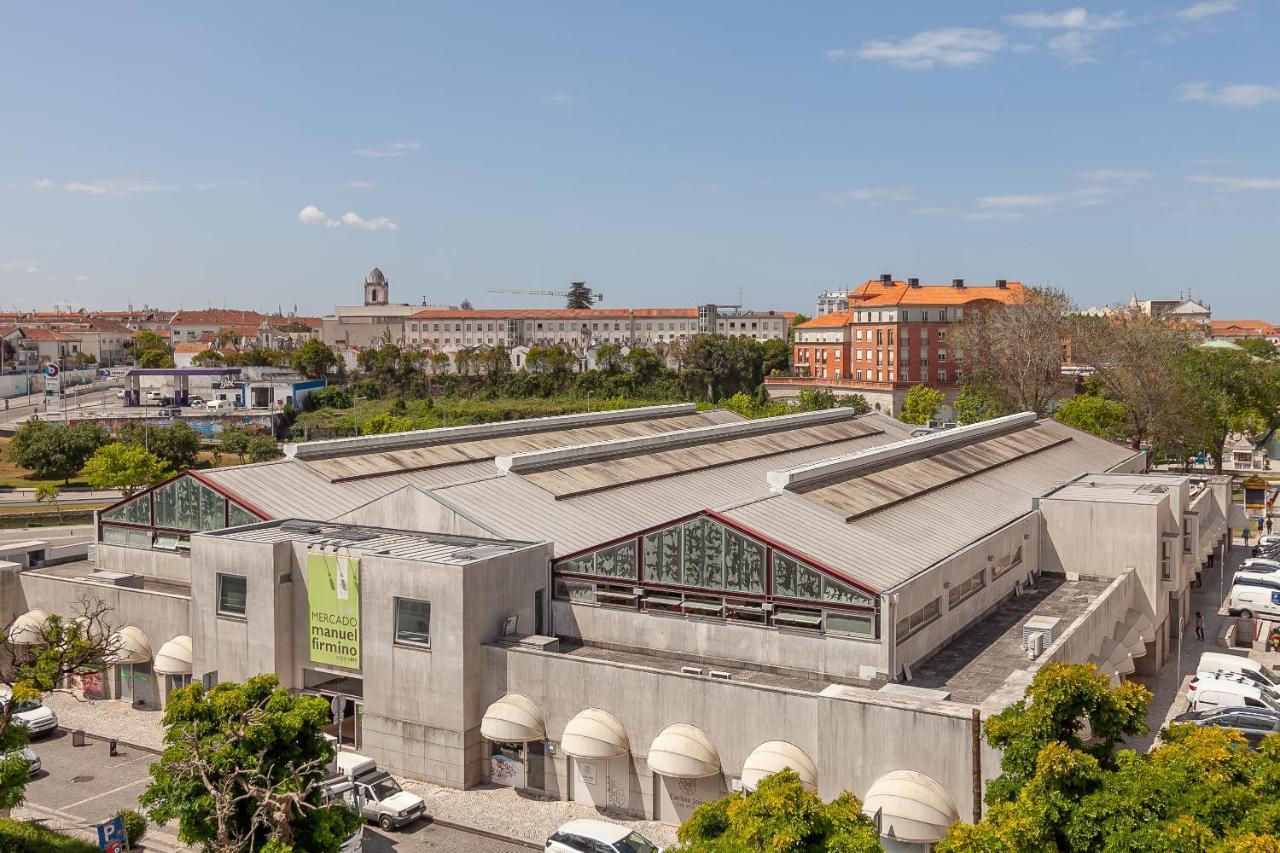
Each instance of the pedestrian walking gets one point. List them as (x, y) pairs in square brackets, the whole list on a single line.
[(1199, 626), (1268, 525)]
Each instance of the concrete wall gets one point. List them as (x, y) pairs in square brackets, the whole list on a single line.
[(238, 647), (938, 580), (411, 508), (852, 740), (163, 565), (718, 639)]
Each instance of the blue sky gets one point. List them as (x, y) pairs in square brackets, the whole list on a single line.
[(263, 154)]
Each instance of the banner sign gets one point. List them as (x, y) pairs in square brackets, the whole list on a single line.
[(333, 609)]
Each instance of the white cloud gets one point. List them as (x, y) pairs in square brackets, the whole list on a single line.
[(1073, 47), (43, 184), (1204, 11), (116, 187), (29, 269), (1239, 95), (394, 149), (1231, 184), (1086, 197), (359, 185), (381, 223), (1077, 18), (220, 185), (312, 215), (82, 278), (955, 47), (561, 98), (872, 195), (1117, 176)]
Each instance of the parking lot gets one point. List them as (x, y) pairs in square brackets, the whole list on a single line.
[(78, 787)]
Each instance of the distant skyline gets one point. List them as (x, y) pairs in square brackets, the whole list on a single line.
[(255, 155)]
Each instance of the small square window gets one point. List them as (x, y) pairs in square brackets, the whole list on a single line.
[(413, 622), (231, 595)]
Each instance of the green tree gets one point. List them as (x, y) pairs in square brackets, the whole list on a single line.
[(385, 422), (579, 295), (234, 439), (38, 660), (244, 768), (553, 360), (775, 357), (261, 448), (177, 445), (609, 358), (1260, 348), (126, 467), (314, 359), (154, 359), (857, 402), (921, 405), (981, 398), (48, 493), (779, 815), (1095, 414), (208, 358), (644, 364), (1228, 388), (54, 452)]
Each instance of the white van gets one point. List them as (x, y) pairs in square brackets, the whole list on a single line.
[(1251, 669), (1249, 578), (1250, 599), (1206, 693), (220, 406), (1264, 565)]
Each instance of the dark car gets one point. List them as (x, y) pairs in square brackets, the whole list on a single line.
[(1253, 723)]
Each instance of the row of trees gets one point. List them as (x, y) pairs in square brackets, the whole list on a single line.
[(313, 359), (1151, 383), (1065, 785)]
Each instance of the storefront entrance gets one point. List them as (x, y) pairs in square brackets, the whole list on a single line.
[(678, 797), (602, 783), (345, 695)]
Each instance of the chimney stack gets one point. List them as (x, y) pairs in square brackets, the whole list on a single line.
[(1002, 284), (913, 282), (957, 282), (887, 279)]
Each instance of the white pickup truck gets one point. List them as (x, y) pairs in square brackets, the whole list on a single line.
[(374, 794)]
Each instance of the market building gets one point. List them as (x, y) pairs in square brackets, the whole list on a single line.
[(644, 609)]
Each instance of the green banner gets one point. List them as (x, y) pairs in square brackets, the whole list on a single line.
[(333, 609)]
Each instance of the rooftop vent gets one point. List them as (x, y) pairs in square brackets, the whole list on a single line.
[(299, 527), (1045, 625), (957, 282), (1002, 284), (887, 279), (913, 282)]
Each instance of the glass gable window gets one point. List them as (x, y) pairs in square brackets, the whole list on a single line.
[(413, 622), (232, 594), (237, 516), (186, 504), (704, 568), (136, 511)]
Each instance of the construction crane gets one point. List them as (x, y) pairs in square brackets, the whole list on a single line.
[(563, 294)]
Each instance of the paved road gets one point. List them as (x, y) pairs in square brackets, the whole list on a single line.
[(80, 786)]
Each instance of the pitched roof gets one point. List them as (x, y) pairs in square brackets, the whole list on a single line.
[(835, 319), (37, 333), (876, 293), (1243, 328)]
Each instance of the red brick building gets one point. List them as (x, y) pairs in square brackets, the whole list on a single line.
[(894, 335)]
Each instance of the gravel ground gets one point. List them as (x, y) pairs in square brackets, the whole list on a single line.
[(492, 809), (108, 718), (506, 812)]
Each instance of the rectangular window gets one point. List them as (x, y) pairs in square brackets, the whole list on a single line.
[(1005, 563), (959, 592), (413, 622), (1186, 536), (231, 595), (1166, 560), (942, 355), (914, 622)]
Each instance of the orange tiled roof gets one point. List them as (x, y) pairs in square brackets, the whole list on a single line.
[(553, 313), (1242, 328), (193, 346), (37, 333), (833, 320), (875, 293)]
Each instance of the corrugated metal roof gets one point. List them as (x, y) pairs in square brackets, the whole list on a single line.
[(900, 478), (639, 466), (358, 465)]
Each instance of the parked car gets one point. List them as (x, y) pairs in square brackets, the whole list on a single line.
[(120, 394), (1269, 539), (1222, 691), (33, 760), (155, 396), (598, 836), (195, 401), (219, 406), (1260, 564), (1254, 723), (170, 411), (378, 796), (1220, 662), (1251, 578), (31, 714)]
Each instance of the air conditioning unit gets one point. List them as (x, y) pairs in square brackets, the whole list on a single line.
[(1035, 645), (1045, 626)]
